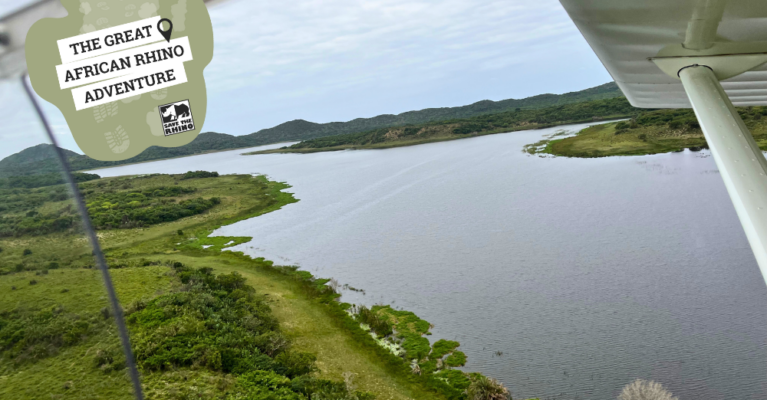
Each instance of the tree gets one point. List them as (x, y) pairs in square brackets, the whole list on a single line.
[(645, 390)]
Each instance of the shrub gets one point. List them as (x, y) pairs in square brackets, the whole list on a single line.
[(216, 323), (457, 359), (642, 136), (296, 363), (25, 335), (442, 347), (455, 378), (484, 388), (33, 282), (321, 389), (180, 232), (19, 267), (645, 390), (26, 252), (199, 174), (379, 324), (53, 265), (108, 358), (264, 385)]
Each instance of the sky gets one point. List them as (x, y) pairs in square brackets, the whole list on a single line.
[(336, 60)]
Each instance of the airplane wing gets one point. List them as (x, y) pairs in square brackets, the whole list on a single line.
[(626, 34)]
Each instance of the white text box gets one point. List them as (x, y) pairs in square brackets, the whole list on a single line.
[(109, 40), (165, 75), (123, 63)]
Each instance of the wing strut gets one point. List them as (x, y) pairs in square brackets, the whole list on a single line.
[(740, 161), (98, 254)]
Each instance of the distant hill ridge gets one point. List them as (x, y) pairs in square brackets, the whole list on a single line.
[(40, 159), (303, 130)]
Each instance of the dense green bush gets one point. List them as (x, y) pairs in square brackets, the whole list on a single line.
[(108, 208), (217, 323), (199, 174), (28, 335), (138, 213), (442, 347), (484, 388), (457, 359)]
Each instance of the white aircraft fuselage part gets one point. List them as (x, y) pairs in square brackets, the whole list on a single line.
[(14, 28)]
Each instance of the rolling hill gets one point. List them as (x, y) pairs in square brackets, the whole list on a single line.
[(40, 159), (467, 127)]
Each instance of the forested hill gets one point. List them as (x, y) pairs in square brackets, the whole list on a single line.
[(29, 159), (464, 127), (40, 159), (303, 130)]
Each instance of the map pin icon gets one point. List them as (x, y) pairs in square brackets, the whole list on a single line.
[(165, 34)]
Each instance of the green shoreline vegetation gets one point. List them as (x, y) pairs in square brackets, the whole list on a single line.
[(205, 322), (515, 120), (652, 132)]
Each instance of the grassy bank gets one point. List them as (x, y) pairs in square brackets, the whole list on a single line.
[(57, 340), (519, 119), (652, 132)]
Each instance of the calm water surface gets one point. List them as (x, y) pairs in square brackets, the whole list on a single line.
[(585, 274)]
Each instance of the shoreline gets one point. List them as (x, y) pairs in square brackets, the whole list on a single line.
[(406, 143), (306, 306), (174, 158), (606, 141)]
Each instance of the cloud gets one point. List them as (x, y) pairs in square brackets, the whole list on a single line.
[(374, 38), (320, 59), (21, 127), (335, 60)]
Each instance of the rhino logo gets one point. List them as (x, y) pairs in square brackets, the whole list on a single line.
[(176, 117), (172, 112)]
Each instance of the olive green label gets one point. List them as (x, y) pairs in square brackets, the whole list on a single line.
[(126, 74)]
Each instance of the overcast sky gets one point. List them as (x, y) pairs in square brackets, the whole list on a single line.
[(336, 60)]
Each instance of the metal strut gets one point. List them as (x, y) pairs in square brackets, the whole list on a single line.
[(741, 163), (98, 254)]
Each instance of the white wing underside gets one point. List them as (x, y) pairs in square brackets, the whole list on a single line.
[(625, 34)]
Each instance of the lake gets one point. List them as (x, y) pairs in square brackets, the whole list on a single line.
[(563, 278)]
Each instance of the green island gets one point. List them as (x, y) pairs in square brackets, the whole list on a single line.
[(502, 122), (653, 132), (205, 322)]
